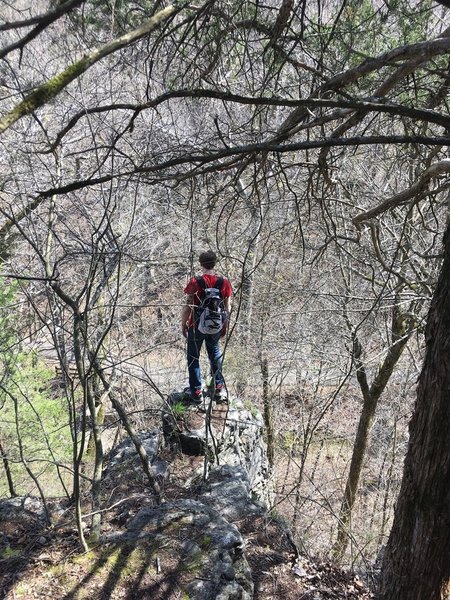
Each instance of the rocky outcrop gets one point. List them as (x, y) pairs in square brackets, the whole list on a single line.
[(206, 549), (242, 461), (232, 438), (192, 545), (197, 536)]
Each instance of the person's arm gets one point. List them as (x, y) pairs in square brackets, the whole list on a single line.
[(227, 305), (227, 292), (186, 314)]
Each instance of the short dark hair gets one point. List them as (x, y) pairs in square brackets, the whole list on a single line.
[(208, 259)]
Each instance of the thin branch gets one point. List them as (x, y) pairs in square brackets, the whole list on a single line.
[(26, 278)]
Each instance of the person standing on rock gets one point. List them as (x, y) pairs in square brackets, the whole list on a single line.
[(204, 318)]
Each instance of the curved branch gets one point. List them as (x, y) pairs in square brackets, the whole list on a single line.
[(46, 18), (362, 106), (420, 52), (249, 150), (356, 117), (417, 190), (209, 160), (42, 21)]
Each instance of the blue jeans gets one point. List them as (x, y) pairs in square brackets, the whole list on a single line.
[(195, 341)]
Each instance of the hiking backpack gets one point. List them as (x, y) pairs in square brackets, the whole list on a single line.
[(211, 315)]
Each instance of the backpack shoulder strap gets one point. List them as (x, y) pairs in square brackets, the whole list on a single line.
[(201, 282), (219, 284)]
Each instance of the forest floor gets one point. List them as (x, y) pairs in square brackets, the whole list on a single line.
[(46, 563), (51, 566)]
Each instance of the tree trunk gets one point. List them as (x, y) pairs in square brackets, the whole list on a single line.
[(400, 335), (245, 308), (78, 342), (416, 563), (12, 491), (268, 412)]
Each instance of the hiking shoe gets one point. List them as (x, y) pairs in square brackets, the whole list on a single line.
[(196, 397), (220, 393)]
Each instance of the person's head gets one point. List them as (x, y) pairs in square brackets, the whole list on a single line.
[(208, 259)]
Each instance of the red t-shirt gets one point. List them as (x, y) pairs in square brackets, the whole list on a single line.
[(193, 289)]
